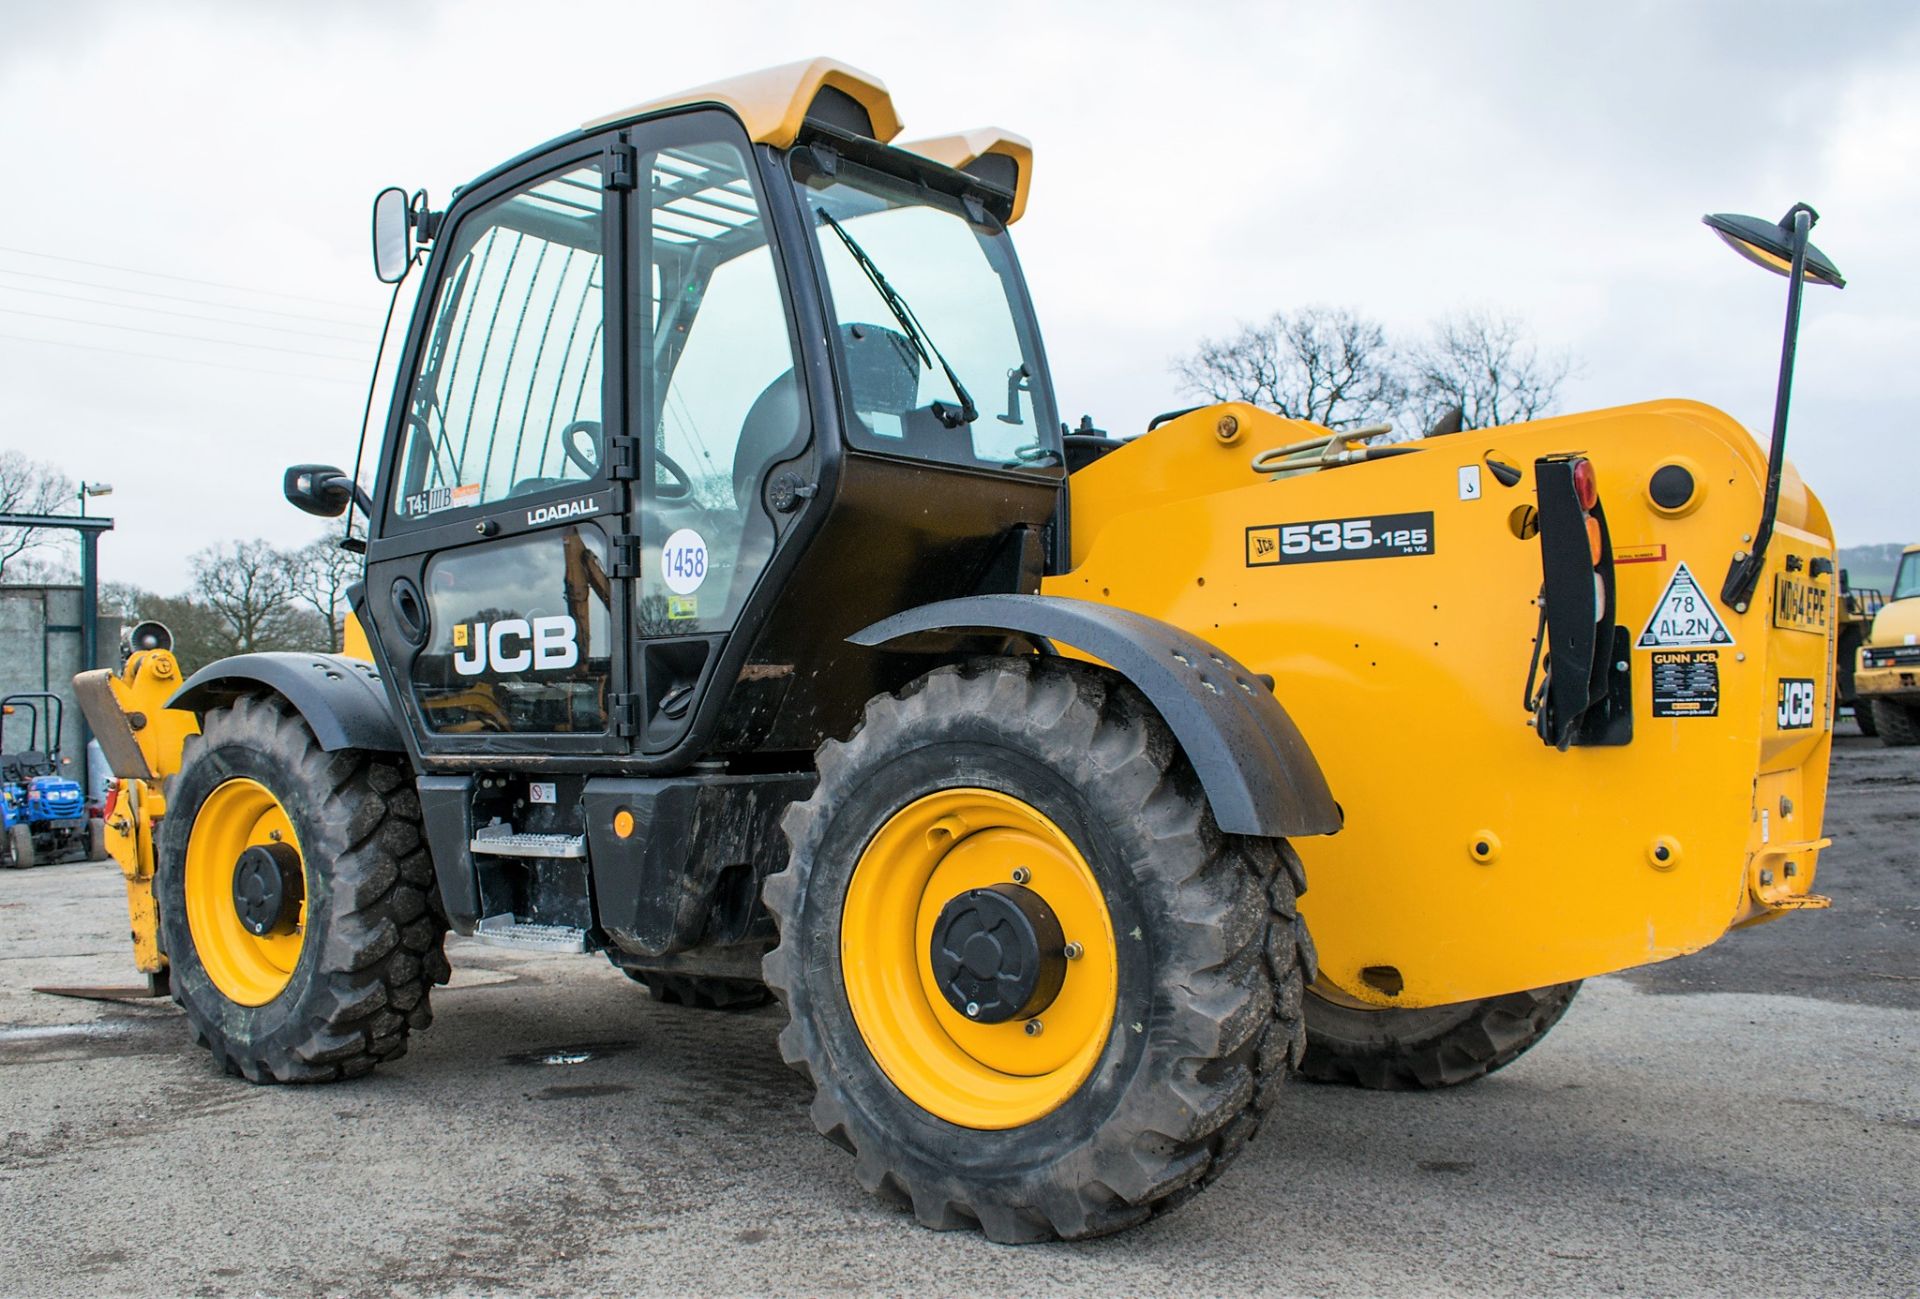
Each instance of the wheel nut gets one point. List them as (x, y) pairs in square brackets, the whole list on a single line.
[(1021, 874), (1035, 1028), (1766, 876), (1072, 951), (973, 1010)]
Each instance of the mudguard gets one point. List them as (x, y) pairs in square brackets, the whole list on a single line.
[(1258, 773), (340, 698)]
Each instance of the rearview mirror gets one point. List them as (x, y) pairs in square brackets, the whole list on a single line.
[(392, 253), (318, 489)]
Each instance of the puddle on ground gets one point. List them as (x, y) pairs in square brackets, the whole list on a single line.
[(562, 1056)]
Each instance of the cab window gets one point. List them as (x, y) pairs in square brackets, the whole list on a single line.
[(507, 399), (722, 405)]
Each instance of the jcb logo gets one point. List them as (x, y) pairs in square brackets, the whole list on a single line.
[(516, 645), (1796, 703)]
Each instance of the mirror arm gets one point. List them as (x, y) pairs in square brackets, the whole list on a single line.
[(1744, 573)]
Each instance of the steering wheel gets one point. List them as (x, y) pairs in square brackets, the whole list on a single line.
[(587, 458), (587, 461)]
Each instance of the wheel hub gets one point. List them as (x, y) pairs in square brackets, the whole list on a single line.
[(267, 885), (998, 953)]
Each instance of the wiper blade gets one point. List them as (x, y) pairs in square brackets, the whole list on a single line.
[(951, 416)]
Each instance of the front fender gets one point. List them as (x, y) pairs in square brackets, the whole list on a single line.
[(340, 698), (1258, 773)]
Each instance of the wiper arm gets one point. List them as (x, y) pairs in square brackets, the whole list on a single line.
[(952, 417)]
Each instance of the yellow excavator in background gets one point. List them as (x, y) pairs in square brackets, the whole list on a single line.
[(710, 623)]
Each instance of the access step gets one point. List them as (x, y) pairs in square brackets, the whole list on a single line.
[(498, 840), (510, 931)]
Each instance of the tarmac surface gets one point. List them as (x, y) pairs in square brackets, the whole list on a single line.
[(1742, 1122)]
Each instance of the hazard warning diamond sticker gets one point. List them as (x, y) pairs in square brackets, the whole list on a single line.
[(1684, 616)]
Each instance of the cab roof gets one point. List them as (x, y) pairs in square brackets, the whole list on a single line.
[(774, 103)]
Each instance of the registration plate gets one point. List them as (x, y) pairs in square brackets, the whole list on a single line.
[(1799, 606)]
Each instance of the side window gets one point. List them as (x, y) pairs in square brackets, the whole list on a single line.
[(724, 405), (507, 400)]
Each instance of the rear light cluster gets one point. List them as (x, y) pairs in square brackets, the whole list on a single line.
[(1584, 691)]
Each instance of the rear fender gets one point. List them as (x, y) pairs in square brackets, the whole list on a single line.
[(1259, 775)]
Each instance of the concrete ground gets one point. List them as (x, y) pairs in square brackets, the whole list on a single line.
[(1746, 1122)]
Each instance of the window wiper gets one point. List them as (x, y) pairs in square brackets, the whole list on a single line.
[(949, 415)]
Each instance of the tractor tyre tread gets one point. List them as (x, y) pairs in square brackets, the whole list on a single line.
[(1897, 724), (362, 982), (700, 991), (1171, 1104), (1421, 1050)]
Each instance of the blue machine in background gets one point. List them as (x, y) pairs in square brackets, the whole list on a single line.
[(44, 813)]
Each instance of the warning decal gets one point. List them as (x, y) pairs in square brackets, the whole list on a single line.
[(1686, 683), (1684, 616)]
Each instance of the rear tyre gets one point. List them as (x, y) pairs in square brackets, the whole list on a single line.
[(326, 850), (1440, 1046), (1055, 788), (701, 992), (1863, 718), (20, 843), (1897, 724)]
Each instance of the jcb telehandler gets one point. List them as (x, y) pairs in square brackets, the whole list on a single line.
[(737, 606)]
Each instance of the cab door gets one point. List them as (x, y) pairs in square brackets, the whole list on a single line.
[(726, 437), (493, 574)]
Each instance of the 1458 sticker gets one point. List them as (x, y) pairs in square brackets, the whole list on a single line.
[(1373, 536)]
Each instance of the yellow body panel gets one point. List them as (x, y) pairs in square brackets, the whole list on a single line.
[(772, 102), (141, 691), (1406, 676)]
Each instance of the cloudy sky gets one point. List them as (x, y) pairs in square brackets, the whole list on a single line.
[(173, 169)]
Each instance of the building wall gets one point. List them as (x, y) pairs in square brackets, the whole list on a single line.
[(40, 650)]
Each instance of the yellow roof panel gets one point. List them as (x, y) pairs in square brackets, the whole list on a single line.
[(774, 101)]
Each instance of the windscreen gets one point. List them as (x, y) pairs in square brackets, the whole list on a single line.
[(920, 287)]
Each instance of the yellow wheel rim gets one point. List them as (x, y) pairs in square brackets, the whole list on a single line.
[(987, 1076), (247, 968)]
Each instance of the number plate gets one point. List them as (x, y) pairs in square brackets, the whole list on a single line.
[(1372, 536), (1799, 606)]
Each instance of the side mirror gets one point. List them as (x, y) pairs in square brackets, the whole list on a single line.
[(318, 489), (392, 250)]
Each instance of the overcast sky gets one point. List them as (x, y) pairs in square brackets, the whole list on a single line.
[(1195, 167)]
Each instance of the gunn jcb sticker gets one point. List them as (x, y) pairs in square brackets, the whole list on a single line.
[(1372, 536)]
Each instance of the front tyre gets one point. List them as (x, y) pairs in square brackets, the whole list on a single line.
[(1036, 989), (1436, 1046), (296, 899)]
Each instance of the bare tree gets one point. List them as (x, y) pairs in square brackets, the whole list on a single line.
[(28, 486), (321, 572), (1487, 366), (249, 585), (1325, 364)]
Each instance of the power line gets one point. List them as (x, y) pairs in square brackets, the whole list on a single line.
[(184, 315), (196, 338), (185, 279), (175, 297), (176, 360)]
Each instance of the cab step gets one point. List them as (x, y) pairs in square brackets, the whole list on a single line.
[(499, 840), (509, 930)]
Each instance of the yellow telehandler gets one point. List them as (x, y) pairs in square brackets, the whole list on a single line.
[(736, 605)]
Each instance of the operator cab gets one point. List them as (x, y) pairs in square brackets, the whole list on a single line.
[(688, 398)]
